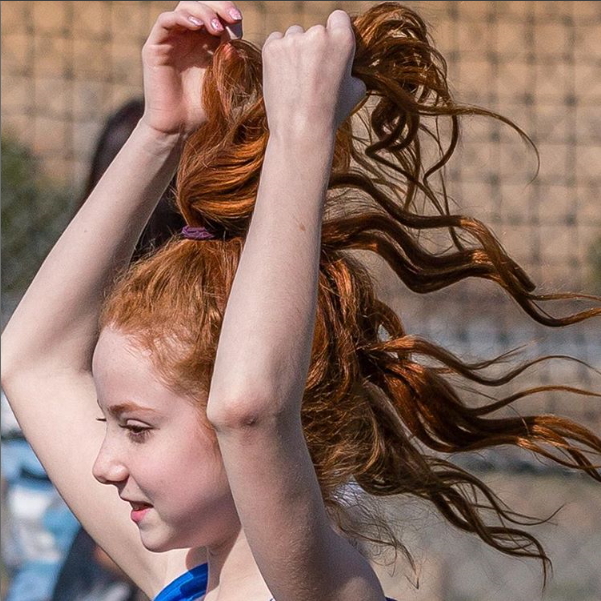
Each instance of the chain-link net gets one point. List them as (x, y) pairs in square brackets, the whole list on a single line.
[(67, 65)]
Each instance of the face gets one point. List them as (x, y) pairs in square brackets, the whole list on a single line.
[(157, 453)]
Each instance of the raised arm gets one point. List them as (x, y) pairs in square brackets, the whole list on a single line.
[(264, 348), (48, 343)]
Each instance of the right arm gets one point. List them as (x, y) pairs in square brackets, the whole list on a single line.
[(49, 341)]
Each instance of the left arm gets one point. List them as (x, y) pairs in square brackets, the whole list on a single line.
[(265, 347)]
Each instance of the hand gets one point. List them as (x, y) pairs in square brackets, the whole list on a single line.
[(307, 77), (175, 56)]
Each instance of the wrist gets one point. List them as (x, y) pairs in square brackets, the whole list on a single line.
[(157, 142), (304, 133), (159, 137)]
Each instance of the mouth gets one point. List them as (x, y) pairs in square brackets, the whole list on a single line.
[(137, 506), (139, 511)]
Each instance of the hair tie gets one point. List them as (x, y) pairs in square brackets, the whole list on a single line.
[(196, 233)]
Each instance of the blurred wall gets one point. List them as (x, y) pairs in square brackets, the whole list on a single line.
[(65, 65)]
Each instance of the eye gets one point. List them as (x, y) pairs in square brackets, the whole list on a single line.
[(136, 432)]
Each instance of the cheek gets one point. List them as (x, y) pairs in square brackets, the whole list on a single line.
[(187, 484), (195, 466), (200, 499)]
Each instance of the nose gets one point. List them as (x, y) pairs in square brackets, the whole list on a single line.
[(108, 468)]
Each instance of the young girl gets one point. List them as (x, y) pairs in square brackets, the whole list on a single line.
[(245, 375)]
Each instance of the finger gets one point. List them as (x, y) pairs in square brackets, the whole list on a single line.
[(274, 35), (166, 22), (227, 11), (224, 18), (294, 29), (339, 19), (203, 13), (220, 18), (339, 24)]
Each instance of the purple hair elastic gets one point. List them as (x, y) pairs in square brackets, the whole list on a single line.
[(196, 233)]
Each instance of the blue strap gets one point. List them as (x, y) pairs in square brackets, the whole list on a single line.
[(187, 587), (190, 586)]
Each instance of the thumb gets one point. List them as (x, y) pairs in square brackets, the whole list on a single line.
[(340, 21)]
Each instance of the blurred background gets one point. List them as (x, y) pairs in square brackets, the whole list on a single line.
[(67, 65)]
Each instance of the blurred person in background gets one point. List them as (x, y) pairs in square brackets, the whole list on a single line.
[(37, 526)]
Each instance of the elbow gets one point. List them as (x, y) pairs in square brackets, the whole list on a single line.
[(5, 378), (7, 367), (12, 373), (17, 359), (243, 412), (16, 366), (10, 377), (21, 365)]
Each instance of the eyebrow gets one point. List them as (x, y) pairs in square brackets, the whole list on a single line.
[(118, 410)]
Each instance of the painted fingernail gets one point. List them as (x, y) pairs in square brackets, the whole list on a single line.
[(216, 23), (235, 14), (194, 20)]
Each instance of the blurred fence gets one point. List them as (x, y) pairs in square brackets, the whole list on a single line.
[(453, 567), (67, 65)]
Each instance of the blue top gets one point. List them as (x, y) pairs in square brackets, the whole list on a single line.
[(189, 586)]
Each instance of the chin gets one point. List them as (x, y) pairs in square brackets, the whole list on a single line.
[(157, 543), (152, 541)]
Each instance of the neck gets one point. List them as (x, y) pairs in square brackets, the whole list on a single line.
[(233, 572)]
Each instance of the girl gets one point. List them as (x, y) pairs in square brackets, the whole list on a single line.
[(245, 374)]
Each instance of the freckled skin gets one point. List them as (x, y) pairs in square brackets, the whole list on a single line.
[(175, 465)]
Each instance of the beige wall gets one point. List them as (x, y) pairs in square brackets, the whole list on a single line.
[(66, 65)]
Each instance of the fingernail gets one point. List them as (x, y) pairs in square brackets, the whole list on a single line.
[(195, 21), (235, 14), (216, 23)]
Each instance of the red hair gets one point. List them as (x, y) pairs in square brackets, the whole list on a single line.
[(379, 407)]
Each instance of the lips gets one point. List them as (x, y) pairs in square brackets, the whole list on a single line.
[(136, 505), (139, 511)]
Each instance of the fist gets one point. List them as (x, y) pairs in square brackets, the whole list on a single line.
[(307, 79)]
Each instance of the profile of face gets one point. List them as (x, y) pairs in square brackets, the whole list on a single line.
[(156, 451)]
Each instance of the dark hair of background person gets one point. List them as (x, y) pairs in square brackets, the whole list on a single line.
[(166, 219)]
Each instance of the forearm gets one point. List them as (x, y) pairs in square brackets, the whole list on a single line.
[(265, 342), (56, 320), (260, 375)]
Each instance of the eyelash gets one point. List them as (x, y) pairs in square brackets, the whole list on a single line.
[(135, 433)]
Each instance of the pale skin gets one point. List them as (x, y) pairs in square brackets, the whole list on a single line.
[(238, 483)]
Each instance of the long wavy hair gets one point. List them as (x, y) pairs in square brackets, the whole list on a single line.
[(380, 410)]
